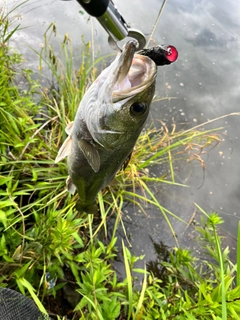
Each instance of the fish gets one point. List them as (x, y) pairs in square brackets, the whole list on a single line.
[(108, 122)]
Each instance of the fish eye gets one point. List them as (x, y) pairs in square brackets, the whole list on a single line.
[(138, 108)]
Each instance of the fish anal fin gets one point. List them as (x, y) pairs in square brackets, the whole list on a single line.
[(90, 153), (65, 149), (70, 185)]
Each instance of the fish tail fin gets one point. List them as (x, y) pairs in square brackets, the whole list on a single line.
[(89, 209)]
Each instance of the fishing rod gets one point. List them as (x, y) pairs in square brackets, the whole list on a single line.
[(112, 21)]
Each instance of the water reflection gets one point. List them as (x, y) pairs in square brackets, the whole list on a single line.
[(204, 82), (159, 270)]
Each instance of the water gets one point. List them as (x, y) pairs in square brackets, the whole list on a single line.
[(205, 82)]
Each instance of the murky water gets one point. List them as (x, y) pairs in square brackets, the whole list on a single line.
[(205, 82)]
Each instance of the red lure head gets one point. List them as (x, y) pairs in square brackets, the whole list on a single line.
[(171, 54)]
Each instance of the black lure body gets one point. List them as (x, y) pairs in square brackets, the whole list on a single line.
[(161, 55)]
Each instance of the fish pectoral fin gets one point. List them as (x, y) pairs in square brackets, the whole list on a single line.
[(65, 149), (70, 185), (68, 128), (90, 153)]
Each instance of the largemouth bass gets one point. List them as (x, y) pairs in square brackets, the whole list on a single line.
[(107, 124)]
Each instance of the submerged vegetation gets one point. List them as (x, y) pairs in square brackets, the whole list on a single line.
[(63, 259)]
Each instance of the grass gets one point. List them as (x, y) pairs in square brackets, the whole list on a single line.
[(59, 257), (238, 257)]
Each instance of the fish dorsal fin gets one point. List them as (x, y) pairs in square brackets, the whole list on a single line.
[(90, 153), (68, 128), (65, 149), (70, 185)]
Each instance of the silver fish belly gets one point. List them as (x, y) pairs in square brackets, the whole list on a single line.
[(107, 124)]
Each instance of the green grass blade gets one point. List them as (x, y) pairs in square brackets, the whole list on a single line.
[(238, 256), (31, 290), (98, 314), (224, 305), (141, 298), (129, 281)]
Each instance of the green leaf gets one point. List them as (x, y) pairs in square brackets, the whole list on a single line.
[(4, 180), (3, 218), (142, 271), (21, 272), (31, 290)]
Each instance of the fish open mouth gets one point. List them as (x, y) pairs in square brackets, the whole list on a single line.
[(135, 73), (142, 70), (142, 73)]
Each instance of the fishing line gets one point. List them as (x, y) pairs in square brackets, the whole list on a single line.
[(156, 22)]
